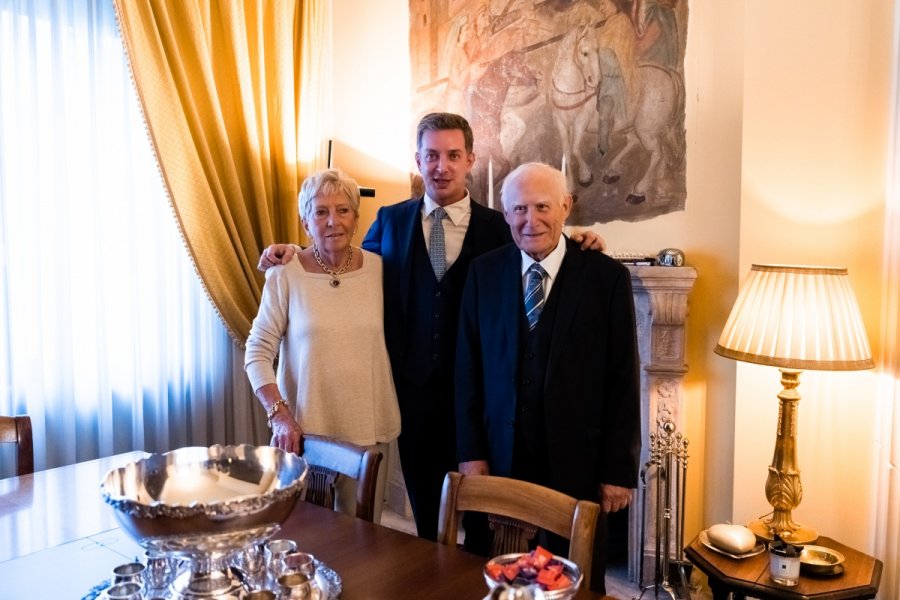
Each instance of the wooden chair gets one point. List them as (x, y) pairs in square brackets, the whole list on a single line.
[(329, 459), (515, 510), (17, 430)]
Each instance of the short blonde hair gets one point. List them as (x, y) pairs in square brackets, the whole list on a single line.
[(327, 182)]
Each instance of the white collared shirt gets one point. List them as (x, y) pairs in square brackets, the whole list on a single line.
[(551, 264), (455, 225)]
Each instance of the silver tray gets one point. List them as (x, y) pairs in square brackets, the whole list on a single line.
[(328, 582), (328, 586)]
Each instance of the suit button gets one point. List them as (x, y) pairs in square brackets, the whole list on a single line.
[(437, 316), (437, 336), (435, 356), (437, 294), (511, 423)]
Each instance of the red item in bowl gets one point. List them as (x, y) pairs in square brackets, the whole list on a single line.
[(538, 567)]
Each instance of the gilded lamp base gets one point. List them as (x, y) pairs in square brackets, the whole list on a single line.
[(800, 535)]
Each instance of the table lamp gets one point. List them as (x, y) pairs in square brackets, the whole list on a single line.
[(793, 318)]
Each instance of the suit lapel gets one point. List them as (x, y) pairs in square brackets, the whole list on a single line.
[(411, 218), (510, 302), (570, 273), (477, 221)]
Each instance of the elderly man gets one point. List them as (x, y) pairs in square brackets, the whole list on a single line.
[(547, 386)]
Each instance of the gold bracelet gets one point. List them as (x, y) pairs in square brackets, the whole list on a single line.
[(273, 410)]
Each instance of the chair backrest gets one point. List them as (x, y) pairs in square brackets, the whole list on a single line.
[(17, 430), (329, 459), (512, 506)]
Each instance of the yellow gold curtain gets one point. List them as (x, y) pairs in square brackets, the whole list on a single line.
[(224, 86)]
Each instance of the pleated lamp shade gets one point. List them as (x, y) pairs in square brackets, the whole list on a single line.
[(797, 318)]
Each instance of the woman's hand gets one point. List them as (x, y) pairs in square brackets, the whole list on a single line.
[(286, 432)]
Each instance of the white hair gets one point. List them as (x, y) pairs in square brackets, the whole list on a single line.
[(554, 175), (326, 183)]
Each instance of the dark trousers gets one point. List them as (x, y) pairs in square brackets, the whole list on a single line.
[(533, 466), (427, 446)]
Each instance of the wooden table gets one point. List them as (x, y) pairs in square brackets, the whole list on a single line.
[(57, 517), (750, 576)]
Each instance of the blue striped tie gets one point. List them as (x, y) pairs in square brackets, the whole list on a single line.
[(436, 250), (534, 294)]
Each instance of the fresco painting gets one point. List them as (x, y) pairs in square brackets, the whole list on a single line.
[(595, 87)]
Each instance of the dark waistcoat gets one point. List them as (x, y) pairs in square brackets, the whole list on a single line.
[(530, 453), (434, 314)]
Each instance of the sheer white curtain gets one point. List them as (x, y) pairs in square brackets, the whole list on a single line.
[(106, 338)]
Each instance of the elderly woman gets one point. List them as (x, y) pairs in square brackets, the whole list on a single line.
[(322, 315)]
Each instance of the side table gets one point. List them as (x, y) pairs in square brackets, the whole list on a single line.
[(750, 576)]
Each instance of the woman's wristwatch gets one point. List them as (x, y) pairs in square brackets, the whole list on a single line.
[(273, 410)]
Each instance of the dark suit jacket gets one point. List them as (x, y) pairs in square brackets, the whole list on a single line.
[(391, 236), (592, 388)]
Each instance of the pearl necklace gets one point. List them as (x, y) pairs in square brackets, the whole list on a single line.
[(334, 274)]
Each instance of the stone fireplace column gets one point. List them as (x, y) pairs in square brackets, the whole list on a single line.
[(661, 308)]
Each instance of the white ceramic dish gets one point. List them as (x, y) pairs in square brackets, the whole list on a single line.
[(757, 549)]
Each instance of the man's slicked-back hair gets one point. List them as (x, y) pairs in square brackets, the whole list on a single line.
[(442, 121)]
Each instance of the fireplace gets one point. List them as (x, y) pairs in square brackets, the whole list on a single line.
[(661, 309)]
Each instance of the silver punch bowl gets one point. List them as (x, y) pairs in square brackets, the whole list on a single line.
[(203, 504)]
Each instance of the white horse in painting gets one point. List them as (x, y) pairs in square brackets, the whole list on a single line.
[(651, 129), (588, 95), (573, 92), (649, 124)]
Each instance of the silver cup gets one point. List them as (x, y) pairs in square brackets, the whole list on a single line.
[(300, 562), (275, 552), (132, 572), (160, 570), (260, 595), (295, 585), (124, 591), (251, 559)]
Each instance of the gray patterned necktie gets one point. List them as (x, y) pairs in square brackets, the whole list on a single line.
[(534, 294), (436, 250)]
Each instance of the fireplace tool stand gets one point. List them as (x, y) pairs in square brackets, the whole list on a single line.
[(667, 466)]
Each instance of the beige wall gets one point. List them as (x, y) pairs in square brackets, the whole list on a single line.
[(786, 125)]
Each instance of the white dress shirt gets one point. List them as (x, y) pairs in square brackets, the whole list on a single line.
[(455, 225), (551, 264)]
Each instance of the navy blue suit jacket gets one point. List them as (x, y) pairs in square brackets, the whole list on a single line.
[(592, 388), (391, 236)]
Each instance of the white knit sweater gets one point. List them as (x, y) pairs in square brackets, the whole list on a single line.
[(333, 366)]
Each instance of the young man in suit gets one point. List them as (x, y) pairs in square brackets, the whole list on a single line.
[(421, 302), (422, 292), (547, 385)]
